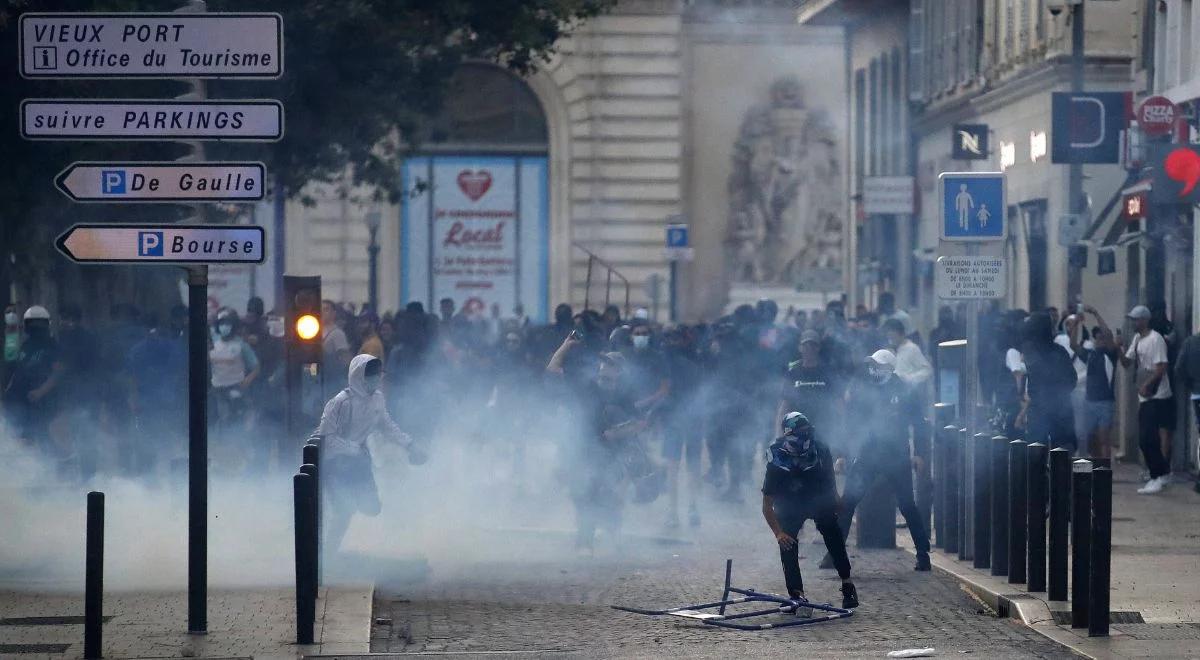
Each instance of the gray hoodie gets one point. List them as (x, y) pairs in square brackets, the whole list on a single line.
[(355, 414)]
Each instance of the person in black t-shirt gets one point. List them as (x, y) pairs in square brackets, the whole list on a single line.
[(1101, 356), (799, 486), (812, 385), (883, 413)]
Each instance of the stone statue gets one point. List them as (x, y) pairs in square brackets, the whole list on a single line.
[(785, 207)]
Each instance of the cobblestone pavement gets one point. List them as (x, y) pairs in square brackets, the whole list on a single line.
[(545, 606)]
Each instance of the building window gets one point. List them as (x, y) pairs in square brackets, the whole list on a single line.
[(485, 104), (1039, 23), (860, 122), (1185, 40), (1010, 25)]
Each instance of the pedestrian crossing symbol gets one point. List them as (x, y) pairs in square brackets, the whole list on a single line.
[(973, 206)]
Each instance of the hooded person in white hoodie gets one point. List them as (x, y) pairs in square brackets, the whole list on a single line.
[(350, 418)]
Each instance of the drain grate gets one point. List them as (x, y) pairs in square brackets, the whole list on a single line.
[(34, 648), (1063, 617), (1162, 631), (46, 621)]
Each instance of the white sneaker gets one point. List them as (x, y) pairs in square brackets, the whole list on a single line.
[(1166, 479), (1152, 487)]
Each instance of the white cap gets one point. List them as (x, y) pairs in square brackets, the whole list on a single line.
[(641, 313), (37, 312), (884, 358), (1139, 312)]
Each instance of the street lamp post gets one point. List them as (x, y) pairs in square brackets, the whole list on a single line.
[(1075, 198), (373, 219)]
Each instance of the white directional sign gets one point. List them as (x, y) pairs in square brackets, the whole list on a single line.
[(971, 278), (887, 195), (161, 182), (81, 119), (132, 45), (169, 244)]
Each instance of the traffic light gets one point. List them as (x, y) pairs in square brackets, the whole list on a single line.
[(302, 355), (302, 331), (1176, 173)]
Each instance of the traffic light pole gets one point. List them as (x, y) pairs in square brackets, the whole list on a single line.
[(197, 449)]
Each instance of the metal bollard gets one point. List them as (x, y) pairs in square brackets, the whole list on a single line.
[(1101, 555), (943, 414), (953, 486), (1035, 488), (1081, 528), (93, 598), (306, 606), (1060, 515), (1017, 516), (961, 448), (999, 505), (983, 502), (312, 456), (314, 543)]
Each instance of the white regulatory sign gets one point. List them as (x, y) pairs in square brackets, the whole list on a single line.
[(135, 45), (887, 195), (971, 278), (161, 182), (168, 244), (81, 119)]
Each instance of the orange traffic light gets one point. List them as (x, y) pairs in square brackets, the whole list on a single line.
[(308, 327)]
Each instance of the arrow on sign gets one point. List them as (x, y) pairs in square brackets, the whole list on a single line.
[(169, 244), (162, 182)]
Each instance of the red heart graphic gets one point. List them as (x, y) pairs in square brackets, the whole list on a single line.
[(474, 184)]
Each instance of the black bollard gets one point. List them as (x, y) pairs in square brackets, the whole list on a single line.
[(943, 415), (1035, 488), (314, 544), (961, 448), (305, 588), (1081, 530), (1101, 555), (312, 456), (983, 502), (1060, 515), (999, 505), (93, 598), (953, 486), (1017, 516)]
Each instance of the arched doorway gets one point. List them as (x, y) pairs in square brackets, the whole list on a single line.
[(475, 219)]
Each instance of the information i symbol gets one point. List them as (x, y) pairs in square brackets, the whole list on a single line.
[(45, 57)]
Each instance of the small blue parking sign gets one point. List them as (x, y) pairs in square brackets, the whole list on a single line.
[(677, 236), (973, 206)]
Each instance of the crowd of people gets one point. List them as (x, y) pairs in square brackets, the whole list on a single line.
[(637, 411)]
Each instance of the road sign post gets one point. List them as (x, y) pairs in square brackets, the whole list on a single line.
[(678, 249), (162, 182), (973, 211), (149, 45)]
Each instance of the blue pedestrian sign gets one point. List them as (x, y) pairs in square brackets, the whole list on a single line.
[(973, 207)]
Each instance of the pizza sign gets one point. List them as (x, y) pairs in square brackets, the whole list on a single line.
[(1157, 116)]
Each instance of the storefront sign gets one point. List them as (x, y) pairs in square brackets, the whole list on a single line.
[(1086, 127), (1008, 154), (1176, 168), (1156, 116), (970, 142), (476, 231), (1037, 145), (887, 195), (1134, 206)]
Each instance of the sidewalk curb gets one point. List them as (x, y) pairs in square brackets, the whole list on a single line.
[(345, 621), (1009, 602)]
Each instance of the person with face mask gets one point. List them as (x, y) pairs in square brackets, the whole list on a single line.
[(609, 423), (234, 367), (799, 485), (349, 420), (884, 413), (30, 396)]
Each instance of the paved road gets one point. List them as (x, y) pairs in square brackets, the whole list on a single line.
[(543, 605)]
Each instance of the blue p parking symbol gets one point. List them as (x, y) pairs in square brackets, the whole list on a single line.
[(112, 182), (150, 244)]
